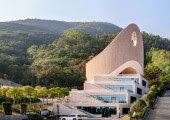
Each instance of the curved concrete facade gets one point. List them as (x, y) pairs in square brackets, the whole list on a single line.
[(120, 54), (114, 77)]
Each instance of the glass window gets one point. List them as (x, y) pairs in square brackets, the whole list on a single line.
[(132, 99), (144, 83), (134, 38), (116, 88), (112, 99), (126, 80), (139, 91)]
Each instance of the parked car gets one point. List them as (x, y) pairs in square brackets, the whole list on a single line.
[(72, 117)]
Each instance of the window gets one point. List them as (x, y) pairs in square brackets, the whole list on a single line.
[(126, 80), (125, 110), (117, 88), (132, 99), (144, 83), (112, 98), (139, 91), (134, 38)]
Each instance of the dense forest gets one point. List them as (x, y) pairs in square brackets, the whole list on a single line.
[(54, 53)]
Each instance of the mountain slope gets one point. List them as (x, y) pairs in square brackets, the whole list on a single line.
[(9, 26), (52, 53), (60, 26), (17, 36)]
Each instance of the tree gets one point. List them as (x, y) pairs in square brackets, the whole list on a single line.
[(14, 93), (41, 92), (152, 74), (64, 92), (62, 63), (45, 93), (165, 79), (37, 91), (149, 97), (52, 93), (3, 92), (163, 61), (28, 91)]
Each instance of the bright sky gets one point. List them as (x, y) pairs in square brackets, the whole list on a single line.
[(152, 16)]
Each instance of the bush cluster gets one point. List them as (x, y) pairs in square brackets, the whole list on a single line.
[(19, 100), (139, 107), (7, 108)]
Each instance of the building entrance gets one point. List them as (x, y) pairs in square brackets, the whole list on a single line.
[(103, 111)]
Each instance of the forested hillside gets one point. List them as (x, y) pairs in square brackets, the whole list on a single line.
[(61, 27), (62, 63), (37, 52), (17, 36), (14, 62), (154, 41)]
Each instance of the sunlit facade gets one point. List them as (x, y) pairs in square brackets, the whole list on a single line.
[(114, 77)]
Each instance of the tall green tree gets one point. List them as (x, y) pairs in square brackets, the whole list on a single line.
[(14, 93), (28, 91)]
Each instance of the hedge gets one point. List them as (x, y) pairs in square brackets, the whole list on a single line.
[(7, 108)]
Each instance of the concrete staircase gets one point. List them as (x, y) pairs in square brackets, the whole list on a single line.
[(162, 109), (74, 97), (65, 109)]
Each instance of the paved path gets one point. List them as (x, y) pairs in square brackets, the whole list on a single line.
[(162, 108), (104, 119), (13, 117)]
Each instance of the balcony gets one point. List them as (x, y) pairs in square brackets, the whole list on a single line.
[(116, 88), (112, 99), (125, 80)]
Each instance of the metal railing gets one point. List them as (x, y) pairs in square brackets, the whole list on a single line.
[(126, 74), (144, 115)]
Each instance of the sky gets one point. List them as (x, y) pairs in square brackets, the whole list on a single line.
[(152, 16)]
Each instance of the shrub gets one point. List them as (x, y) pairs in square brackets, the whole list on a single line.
[(149, 98), (6, 100), (144, 110), (161, 89), (7, 108), (153, 89), (27, 100), (34, 116), (2, 100), (138, 107), (146, 98), (19, 100)]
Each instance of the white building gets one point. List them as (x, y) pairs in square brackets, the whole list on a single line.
[(114, 77)]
